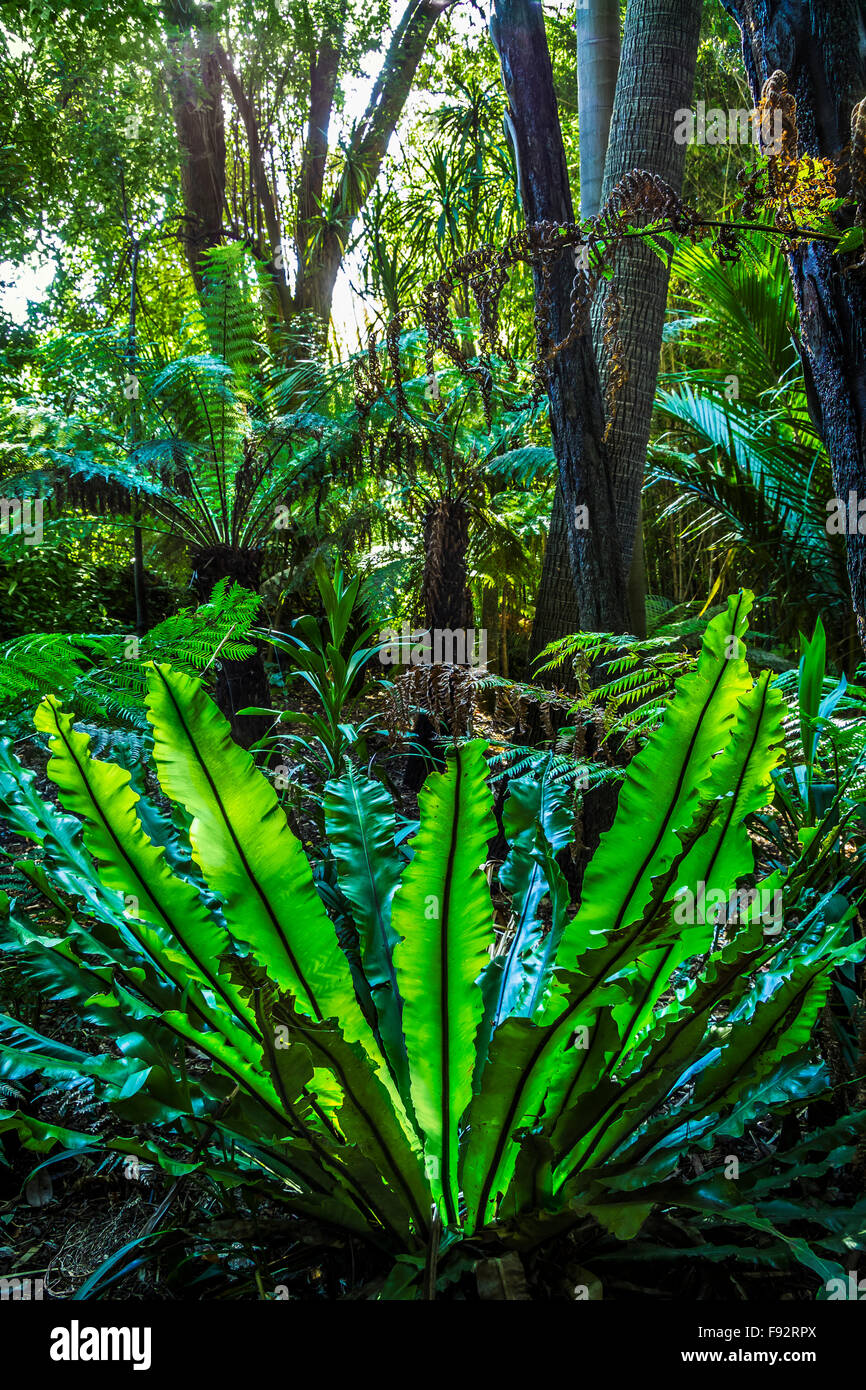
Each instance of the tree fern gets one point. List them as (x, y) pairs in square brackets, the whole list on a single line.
[(103, 673)]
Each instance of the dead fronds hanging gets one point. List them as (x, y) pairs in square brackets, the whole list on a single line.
[(790, 186)]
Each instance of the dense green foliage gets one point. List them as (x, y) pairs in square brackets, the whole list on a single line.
[(549, 1082), (432, 961)]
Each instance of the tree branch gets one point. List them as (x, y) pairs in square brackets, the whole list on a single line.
[(263, 189)]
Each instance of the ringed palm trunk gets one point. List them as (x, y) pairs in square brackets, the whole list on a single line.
[(239, 683), (598, 57), (822, 50), (660, 48)]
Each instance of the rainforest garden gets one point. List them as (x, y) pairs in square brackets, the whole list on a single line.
[(433, 652)]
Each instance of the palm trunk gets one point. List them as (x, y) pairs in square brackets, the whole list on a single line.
[(660, 47), (239, 683), (658, 70), (598, 49), (822, 49), (656, 78)]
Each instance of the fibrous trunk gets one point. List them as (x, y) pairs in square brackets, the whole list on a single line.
[(445, 591), (243, 683)]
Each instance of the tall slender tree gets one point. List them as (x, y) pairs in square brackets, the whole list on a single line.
[(576, 410), (656, 77), (597, 27), (597, 24), (660, 48), (206, 80)]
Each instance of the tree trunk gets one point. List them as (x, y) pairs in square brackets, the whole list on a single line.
[(576, 413), (657, 74), (239, 683), (556, 610), (822, 50), (445, 591), (317, 274), (272, 253), (491, 627), (598, 46), (195, 81), (323, 222), (597, 25)]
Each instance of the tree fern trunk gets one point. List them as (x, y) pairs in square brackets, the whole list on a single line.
[(239, 683), (445, 590)]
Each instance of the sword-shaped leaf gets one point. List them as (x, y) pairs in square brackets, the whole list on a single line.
[(247, 853), (161, 905), (443, 914), (662, 791), (359, 819)]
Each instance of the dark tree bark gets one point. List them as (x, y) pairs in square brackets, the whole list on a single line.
[(445, 591), (556, 610), (239, 684), (656, 78), (822, 50), (598, 57), (576, 412)]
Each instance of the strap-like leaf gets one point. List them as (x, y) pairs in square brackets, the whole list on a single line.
[(163, 905), (658, 800), (537, 823), (243, 845), (359, 819), (741, 780), (365, 1113), (662, 790), (443, 914)]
